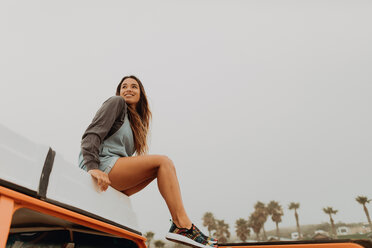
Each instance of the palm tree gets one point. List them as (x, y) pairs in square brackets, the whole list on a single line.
[(330, 211), (222, 231), (242, 229), (159, 244), (256, 221), (294, 206), (264, 214), (364, 200), (149, 236), (276, 212), (209, 221)]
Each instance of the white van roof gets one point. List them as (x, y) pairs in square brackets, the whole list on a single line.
[(40, 172)]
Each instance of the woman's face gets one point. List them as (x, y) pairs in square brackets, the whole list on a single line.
[(130, 91)]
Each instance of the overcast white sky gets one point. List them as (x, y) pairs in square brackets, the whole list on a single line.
[(252, 100)]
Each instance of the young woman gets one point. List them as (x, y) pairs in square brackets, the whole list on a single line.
[(118, 130)]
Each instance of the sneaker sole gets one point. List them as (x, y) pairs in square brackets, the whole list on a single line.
[(213, 242), (185, 241)]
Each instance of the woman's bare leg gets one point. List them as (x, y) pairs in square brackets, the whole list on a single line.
[(132, 173), (138, 187)]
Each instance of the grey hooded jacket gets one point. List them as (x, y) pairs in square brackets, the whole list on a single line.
[(108, 119)]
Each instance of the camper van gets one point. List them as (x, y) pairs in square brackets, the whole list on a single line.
[(47, 202)]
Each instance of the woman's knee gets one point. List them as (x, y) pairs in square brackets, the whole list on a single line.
[(166, 162)]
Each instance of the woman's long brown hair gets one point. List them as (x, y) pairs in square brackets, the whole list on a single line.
[(139, 118)]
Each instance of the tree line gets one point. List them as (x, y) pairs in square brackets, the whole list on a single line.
[(257, 219), (256, 222)]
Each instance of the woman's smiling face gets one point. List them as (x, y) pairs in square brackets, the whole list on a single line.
[(130, 91)]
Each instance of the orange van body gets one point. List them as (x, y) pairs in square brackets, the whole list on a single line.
[(11, 201), (303, 244)]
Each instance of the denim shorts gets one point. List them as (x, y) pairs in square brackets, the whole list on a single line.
[(106, 163)]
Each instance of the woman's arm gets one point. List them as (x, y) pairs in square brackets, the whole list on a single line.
[(111, 109)]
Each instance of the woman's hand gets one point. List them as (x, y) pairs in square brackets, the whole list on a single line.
[(102, 178)]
